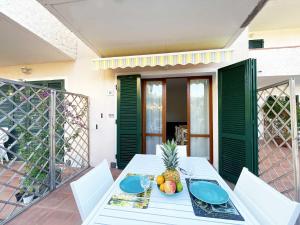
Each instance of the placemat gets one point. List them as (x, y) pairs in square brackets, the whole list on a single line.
[(225, 211), (132, 200)]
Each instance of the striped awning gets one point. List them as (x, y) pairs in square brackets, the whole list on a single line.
[(178, 58)]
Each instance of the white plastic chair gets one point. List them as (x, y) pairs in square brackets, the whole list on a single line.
[(3, 138), (90, 188), (181, 149), (267, 205)]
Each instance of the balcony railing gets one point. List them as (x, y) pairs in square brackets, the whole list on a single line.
[(278, 152), (44, 141)]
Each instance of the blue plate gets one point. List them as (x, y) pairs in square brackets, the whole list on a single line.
[(209, 192), (131, 185)]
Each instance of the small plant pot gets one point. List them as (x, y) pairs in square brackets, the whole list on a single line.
[(19, 196), (28, 199)]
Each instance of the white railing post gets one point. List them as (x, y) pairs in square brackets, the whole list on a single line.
[(294, 135), (52, 139)]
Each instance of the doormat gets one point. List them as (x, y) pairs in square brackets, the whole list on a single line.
[(225, 211)]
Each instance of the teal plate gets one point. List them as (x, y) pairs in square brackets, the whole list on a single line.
[(131, 185), (209, 192)]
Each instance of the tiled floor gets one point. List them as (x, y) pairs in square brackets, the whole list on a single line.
[(276, 167), (59, 208)]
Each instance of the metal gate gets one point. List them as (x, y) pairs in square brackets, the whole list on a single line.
[(278, 158), (44, 142)]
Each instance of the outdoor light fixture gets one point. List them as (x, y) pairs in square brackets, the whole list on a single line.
[(26, 70)]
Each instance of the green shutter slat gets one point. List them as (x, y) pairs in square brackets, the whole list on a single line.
[(237, 119), (129, 119), (54, 84), (258, 43)]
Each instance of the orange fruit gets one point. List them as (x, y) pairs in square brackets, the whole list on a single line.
[(160, 180), (162, 187)]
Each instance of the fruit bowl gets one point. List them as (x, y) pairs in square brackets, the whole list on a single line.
[(168, 187), (164, 193)]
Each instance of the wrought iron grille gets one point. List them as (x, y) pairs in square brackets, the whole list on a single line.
[(44, 142), (278, 159)]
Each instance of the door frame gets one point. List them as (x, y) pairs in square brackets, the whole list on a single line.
[(164, 103), (210, 135), (164, 112)]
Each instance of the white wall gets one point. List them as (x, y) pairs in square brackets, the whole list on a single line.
[(281, 56), (81, 78), (240, 47), (277, 62), (277, 38)]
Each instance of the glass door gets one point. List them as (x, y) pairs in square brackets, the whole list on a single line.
[(199, 117), (154, 114)]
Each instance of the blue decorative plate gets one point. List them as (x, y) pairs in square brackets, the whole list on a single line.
[(209, 192), (131, 185)]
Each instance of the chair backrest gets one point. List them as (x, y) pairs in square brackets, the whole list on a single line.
[(90, 188), (181, 149), (3, 136), (267, 205)]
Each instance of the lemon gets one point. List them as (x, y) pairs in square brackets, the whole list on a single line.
[(160, 180)]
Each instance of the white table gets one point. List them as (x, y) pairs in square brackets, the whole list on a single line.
[(162, 209)]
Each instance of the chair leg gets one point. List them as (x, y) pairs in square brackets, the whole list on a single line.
[(6, 157)]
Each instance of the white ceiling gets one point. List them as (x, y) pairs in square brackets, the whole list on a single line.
[(129, 27), (20, 46), (277, 14)]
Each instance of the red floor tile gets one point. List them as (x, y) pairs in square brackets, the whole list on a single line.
[(58, 208)]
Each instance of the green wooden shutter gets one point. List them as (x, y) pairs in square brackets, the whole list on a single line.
[(258, 43), (55, 84), (129, 134), (237, 119)]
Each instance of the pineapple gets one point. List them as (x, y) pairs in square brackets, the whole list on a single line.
[(170, 159)]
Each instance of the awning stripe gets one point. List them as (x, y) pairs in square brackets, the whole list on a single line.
[(179, 58)]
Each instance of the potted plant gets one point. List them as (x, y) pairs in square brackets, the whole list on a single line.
[(34, 148), (19, 195), (28, 195)]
